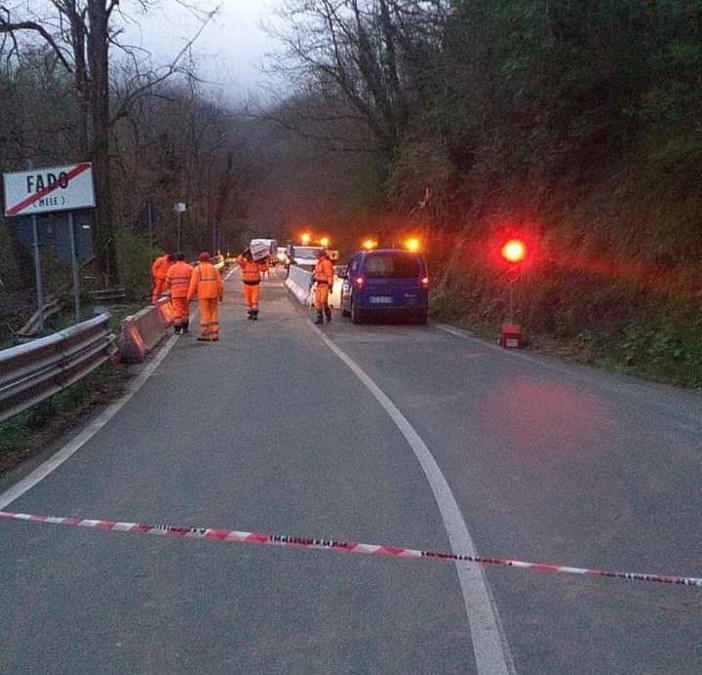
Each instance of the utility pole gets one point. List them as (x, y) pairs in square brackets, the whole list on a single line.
[(179, 208)]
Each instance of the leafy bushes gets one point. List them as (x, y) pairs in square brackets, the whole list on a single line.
[(626, 323)]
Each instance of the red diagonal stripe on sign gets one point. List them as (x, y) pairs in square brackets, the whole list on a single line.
[(75, 171)]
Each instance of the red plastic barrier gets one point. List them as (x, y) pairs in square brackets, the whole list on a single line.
[(166, 313), (130, 343), (143, 331)]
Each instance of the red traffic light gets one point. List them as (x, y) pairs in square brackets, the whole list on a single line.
[(514, 251)]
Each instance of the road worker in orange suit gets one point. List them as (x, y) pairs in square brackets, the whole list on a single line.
[(323, 277), (178, 283), (251, 271), (206, 283), (158, 272)]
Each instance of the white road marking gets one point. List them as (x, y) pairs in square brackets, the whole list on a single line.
[(492, 652), (48, 467), (68, 450)]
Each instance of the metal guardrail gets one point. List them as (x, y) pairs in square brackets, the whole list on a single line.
[(33, 372)]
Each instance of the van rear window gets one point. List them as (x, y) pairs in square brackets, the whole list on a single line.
[(392, 265)]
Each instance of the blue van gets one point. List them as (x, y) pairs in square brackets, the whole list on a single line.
[(386, 283)]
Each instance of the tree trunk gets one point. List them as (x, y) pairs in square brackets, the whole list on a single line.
[(98, 46)]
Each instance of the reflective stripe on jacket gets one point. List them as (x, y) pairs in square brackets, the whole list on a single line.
[(178, 279), (250, 271), (206, 282)]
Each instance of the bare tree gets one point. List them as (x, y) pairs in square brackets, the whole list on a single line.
[(370, 54), (80, 35), (177, 146)]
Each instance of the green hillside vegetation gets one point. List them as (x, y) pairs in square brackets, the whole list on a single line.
[(575, 125), (578, 126)]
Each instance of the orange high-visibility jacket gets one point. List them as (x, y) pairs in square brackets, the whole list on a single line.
[(160, 268), (324, 272), (250, 270), (178, 279), (205, 282)]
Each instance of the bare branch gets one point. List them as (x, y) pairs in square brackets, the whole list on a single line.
[(173, 68), (7, 26)]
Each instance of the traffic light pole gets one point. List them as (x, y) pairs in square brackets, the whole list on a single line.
[(514, 252), (511, 335)]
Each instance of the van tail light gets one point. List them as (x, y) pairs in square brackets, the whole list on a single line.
[(359, 282), (424, 282)]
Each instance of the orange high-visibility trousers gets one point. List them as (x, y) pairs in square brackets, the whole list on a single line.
[(321, 296), (181, 311), (251, 295), (209, 318)]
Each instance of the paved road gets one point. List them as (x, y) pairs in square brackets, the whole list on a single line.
[(398, 435)]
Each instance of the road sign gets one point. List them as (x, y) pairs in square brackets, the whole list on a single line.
[(53, 231), (60, 188)]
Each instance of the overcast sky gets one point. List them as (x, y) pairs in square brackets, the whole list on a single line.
[(230, 50)]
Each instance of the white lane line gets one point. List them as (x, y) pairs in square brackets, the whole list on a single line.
[(48, 467), (492, 652), (68, 450)]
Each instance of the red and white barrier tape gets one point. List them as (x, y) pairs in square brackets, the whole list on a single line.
[(329, 544)]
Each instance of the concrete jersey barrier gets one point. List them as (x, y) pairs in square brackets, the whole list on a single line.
[(298, 282)]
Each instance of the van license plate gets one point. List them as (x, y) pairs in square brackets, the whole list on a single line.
[(380, 299)]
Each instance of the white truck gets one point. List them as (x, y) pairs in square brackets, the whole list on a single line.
[(306, 256)]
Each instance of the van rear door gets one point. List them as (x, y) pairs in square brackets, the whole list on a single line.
[(393, 280)]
